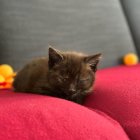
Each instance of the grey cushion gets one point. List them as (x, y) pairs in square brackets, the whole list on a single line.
[(132, 11), (90, 26)]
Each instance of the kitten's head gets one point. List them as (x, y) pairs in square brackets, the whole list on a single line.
[(71, 73)]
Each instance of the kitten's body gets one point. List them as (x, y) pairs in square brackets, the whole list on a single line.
[(64, 74)]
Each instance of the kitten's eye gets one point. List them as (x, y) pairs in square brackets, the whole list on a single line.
[(62, 79), (65, 78), (84, 80)]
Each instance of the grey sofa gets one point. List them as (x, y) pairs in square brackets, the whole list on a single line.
[(27, 27)]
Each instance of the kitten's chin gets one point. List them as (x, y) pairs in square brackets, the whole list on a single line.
[(78, 93), (75, 94)]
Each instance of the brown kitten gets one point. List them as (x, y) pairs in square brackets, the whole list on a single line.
[(68, 75)]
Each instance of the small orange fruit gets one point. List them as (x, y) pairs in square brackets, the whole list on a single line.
[(130, 59)]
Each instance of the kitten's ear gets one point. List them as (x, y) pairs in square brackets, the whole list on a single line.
[(93, 60), (55, 57)]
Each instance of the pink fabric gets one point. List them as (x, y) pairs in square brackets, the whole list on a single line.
[(117, 93), (36, 117)]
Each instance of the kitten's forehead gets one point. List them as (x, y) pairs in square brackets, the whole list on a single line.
[(74, 63)]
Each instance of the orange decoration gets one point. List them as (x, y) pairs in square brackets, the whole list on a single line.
[(130, 59), (6, 76)]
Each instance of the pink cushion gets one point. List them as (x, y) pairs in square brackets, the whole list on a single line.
[(117, 93), (35, 117)]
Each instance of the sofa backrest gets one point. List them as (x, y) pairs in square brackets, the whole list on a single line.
[(91, 26), (132, 12)]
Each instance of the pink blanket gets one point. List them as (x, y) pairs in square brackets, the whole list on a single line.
[(36, 117)]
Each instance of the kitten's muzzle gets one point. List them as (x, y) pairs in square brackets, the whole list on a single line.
[(72, 88), (71, 92)]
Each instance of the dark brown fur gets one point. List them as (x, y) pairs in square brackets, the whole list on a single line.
[(68, 75)]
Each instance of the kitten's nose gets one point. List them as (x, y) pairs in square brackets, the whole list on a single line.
[(72, 88)]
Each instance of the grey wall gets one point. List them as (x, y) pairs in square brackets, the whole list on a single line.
[(90, 26)]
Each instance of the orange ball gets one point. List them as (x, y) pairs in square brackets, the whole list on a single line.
[(6, 70), (130, 59)]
